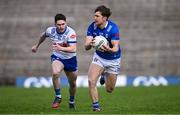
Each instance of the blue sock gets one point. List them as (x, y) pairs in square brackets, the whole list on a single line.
[(58, 93), (71, 99), (96, 104)]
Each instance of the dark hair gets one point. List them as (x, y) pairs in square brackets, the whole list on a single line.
[(104, 11), (59, 17)]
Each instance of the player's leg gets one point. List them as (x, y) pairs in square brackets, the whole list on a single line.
[(57, 67), (110, 82), (93, 75), (70, 68), (112, 69), (72, 76)]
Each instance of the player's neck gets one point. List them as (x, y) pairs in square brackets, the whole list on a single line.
[(61, 31), (103, 25)]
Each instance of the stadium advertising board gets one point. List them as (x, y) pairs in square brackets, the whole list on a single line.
[(82, 81)]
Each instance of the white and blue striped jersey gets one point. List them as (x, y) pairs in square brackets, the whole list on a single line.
[(66, 38), (110, 32)]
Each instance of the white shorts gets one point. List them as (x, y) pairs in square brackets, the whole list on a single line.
[(110, 66)]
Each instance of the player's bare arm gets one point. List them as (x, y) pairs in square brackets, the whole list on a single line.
[(36, 46)]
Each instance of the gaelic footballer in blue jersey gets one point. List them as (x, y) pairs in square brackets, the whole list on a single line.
[(106, 60), (63, 56)]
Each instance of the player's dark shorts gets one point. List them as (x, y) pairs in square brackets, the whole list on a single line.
[(69, 64)]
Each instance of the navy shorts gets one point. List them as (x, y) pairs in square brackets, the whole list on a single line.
[(69, 64)]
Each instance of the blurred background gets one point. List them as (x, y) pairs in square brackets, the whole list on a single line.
[(150, 35)]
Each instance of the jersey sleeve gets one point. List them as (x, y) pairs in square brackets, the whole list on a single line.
[(48, 32), (115, 34), (90, 30), (72, 37)]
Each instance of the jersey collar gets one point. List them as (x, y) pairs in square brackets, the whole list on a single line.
[(106, 24), (61, 32)]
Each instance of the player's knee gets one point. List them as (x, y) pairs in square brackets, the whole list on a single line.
[(56, 73), (92, 83), (72, 84), (55, 77), (109, 89)]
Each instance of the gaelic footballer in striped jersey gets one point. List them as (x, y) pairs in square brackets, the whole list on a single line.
[(63, 57)]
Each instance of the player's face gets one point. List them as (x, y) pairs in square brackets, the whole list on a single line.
[(61, 25), (99, 19)]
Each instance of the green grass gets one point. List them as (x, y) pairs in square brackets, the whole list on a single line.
[(124, 100)]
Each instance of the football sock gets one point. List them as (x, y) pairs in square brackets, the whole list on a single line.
[(71, 99), (96, 104), (58, 93)]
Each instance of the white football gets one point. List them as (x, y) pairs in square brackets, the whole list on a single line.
[(99, 41)]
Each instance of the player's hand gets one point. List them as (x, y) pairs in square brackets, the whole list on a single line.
[(92, 42), (56, 47), (105, 48), (34, 49)]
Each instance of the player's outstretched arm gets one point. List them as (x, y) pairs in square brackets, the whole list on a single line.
[(36, 46)]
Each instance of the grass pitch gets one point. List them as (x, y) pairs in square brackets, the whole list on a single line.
[(124, 100)]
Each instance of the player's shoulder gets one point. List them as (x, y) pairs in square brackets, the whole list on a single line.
[(51, 29), (92, 24), (112, 23), (70, 30), (112, 26)]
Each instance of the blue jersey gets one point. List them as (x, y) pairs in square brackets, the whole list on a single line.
[(110, 32)]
